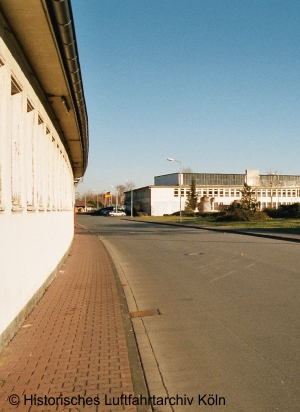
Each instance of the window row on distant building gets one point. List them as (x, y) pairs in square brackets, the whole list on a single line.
[(35, 172), (235, 193)]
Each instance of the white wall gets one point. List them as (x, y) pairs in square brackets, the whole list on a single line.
[(31, 247), (252, 177), (36, 195), (164, 202)]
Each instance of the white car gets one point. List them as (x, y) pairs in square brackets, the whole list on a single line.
[(116, 213)]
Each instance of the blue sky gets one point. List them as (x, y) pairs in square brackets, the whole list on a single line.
[(212, 83)]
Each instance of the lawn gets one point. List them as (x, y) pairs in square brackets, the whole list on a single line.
[(280, 225)]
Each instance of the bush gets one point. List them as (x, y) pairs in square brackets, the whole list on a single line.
[(141, 213), (185, 213), (241, 215), (285, 211)]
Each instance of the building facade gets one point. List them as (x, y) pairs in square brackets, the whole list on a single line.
[(215, 191), (43, 150)]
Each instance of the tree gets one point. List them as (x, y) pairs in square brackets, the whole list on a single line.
[(129, 185), (187, 170), (120, 189), (192, 197), (271, 182), (248, 201)]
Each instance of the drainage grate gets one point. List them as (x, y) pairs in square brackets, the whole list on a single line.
[(143, 313)]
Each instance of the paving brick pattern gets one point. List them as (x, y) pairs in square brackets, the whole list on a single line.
[(73, 343)]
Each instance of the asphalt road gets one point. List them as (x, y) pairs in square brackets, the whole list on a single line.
[(227, 329)]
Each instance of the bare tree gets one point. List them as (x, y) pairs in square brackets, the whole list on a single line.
[(120, 190), (187, 170), (129, 186), (272, 181)]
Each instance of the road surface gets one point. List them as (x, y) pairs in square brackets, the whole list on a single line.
[(224, 328)]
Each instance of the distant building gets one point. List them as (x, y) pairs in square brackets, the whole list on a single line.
[(215, 191), (43, 150), (84, 207)]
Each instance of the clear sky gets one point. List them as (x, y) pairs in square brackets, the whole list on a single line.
[(212, 83)]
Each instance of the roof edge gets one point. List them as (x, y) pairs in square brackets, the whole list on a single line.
[(62, 21)]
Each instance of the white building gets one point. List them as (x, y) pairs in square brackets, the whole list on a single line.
[(215, 191), (43, 150)]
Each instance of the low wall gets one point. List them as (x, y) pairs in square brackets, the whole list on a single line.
[(32, 247)]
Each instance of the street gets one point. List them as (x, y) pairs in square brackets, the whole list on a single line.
[(224, 326)]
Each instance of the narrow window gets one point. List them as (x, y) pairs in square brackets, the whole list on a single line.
[(53, 193), (16, 132), (3, 99), (30, 155), (40, 163), (49, 170)]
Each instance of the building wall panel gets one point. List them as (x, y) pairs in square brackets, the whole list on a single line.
[(36, 196)]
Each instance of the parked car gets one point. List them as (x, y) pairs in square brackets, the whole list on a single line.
[(116, 213), (104, 211)]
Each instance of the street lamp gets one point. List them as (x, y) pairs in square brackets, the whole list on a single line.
[(131, 202), (170, 159)]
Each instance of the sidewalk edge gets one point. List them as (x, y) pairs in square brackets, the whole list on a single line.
[(136, 368)]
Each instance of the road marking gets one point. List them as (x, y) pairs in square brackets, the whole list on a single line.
[(223, 276)]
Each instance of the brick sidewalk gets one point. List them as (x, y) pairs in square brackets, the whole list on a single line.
[(73, 343)]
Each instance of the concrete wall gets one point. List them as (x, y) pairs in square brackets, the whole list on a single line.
[(252, 177), (141, 200), (36, 193)]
